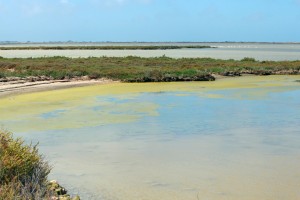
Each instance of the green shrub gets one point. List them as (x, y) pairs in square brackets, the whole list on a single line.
[(2, 75), (247, 59), (58, 75), (23, 171)]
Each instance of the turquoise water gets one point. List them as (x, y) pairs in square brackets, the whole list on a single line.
[(242, 144)]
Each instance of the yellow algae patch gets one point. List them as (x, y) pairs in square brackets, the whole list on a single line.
[(210, 95), (250, 87), (247, 94), (66, 95), (64, 109), (78, 116), (73, 108), (117, 102)]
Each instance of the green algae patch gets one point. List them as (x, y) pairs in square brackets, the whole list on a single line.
[(119, 103)]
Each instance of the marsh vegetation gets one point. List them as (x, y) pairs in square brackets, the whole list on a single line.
[(138, 69)]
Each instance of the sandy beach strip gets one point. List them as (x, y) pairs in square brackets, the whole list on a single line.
[(18, 87)]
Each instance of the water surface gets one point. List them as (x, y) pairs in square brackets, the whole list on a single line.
[(259, 51), (235, 138)]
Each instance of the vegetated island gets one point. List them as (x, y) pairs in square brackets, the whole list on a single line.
[(140, 47), (137, 69)]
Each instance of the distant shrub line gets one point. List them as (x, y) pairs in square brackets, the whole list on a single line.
[(104, 47)]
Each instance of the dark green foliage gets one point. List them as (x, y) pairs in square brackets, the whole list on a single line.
[(247, 59), (2, 75)]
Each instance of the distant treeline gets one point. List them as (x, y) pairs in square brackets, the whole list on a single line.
[(138, 69), (104, 47)]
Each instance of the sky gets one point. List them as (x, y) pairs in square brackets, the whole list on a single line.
[(150, 20)]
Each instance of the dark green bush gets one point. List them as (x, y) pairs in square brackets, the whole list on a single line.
[(247, 59), (2, 75)]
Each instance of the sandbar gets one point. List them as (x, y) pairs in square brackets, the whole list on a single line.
[(19, 87)]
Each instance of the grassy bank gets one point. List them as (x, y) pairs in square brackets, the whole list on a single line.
[(105, 47), (137, 69)]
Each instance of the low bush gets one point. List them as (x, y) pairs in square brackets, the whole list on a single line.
[(247, 59), (23, 171), (2, 75)]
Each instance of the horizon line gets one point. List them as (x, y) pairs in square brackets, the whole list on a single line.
[(91, 42)]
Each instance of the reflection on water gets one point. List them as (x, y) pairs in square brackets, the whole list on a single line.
[(230, 139), (236, 51)]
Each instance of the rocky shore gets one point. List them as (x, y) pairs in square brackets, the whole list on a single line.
[(59, 192)]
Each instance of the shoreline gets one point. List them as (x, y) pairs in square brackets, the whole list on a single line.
[(29, 85), (12, 88), (21, 87)]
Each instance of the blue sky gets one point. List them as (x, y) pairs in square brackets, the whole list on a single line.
[(150, 20)]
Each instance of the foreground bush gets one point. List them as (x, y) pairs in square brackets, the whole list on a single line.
[(23, 171)]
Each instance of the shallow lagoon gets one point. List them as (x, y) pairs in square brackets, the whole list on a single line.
[(235, 138), (259, 51)]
